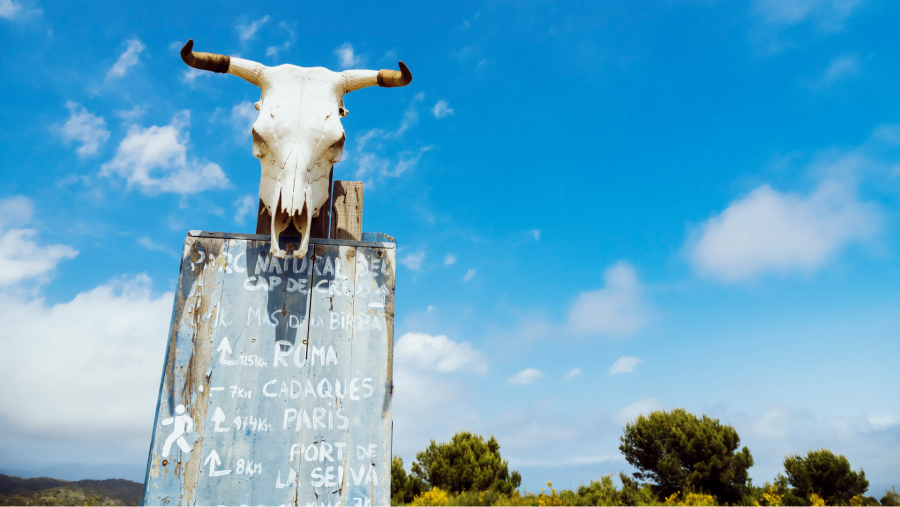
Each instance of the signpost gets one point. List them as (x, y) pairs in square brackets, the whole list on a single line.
[(277, 383)]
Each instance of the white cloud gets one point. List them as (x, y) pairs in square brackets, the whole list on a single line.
[(153, 246), (154, 159), (85, 128), (573, 373), (22, 259), (132, 115), (638, 408), (615, 310), (346, 56), (525, 377), (243, 116), (449, 260), (438, 353), (275, 51), (828, 14), (128, 59), (245, 205), (370, 164), (248, 31), (189, 76), (771, 231), (442, 109), (624, 364), (842, 67), (536, 234), (11, 10), (413, 260), (470, 274), (105, 344)]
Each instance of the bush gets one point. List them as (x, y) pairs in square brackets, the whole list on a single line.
[(404, 488), (825, 475), (466, 463), (435, 496), (891, 497), (679, 451)]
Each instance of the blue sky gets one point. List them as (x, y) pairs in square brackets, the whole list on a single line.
[(601, 209)]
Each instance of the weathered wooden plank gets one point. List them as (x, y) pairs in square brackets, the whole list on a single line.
[(346, 218), (389, 243), (245, 359), (373, 339)]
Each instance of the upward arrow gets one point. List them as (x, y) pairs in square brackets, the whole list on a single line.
[(218, 417), (214, 457), (225, 348)]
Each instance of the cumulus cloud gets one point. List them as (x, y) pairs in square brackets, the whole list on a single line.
[(189, 76), (413, 260), (438, 353), (21, 258), (449, 260), (470, 274), (573, 373), (347, 58), (615, 310), (274, 51), (105, 344), (247, 31), (128, 59), (154, 159), (525, 377), (624, 364), (442, 109), (771, 231), (245, 205), (84, 127)]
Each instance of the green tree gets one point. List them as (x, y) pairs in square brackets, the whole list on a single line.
[(466, 463), (404, 488), (827, 475), (679, 451)]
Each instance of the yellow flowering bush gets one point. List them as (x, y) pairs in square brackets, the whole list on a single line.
[(436, 496)]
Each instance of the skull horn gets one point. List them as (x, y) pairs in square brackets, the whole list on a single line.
[(248, 70), (393, 78), (204, 61)]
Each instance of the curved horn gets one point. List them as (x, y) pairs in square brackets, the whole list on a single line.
[(356, 79), (204, 61), (248, 70), (392, 78)]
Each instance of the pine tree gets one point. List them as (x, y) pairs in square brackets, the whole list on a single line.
[(827, 475), (466, 463)]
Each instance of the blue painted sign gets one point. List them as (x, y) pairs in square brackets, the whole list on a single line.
[(277, 383)]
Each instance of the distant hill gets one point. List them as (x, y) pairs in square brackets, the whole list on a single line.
[(81, 471), (47, 491)]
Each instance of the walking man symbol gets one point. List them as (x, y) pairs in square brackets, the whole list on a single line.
[(183, 424)]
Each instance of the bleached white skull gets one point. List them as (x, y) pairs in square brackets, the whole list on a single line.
[(298, 135)]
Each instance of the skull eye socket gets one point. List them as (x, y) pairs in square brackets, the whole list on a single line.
[(343, 112)]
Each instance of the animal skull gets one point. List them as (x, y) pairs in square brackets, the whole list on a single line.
[(298, 135)]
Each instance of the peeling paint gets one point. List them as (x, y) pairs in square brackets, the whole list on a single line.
[(286, 374)]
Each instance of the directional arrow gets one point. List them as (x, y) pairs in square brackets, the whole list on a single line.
[(218, 417), (214, 457), (383, 292), (225, 348)]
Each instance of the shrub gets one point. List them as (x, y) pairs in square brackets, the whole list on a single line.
[(679, 451)]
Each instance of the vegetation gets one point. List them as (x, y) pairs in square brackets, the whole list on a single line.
[(466, 463), (826, 475), (45, 491), (678, 451), (681, 460)]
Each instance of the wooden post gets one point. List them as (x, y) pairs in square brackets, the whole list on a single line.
[(346, 222), (320, 224)]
